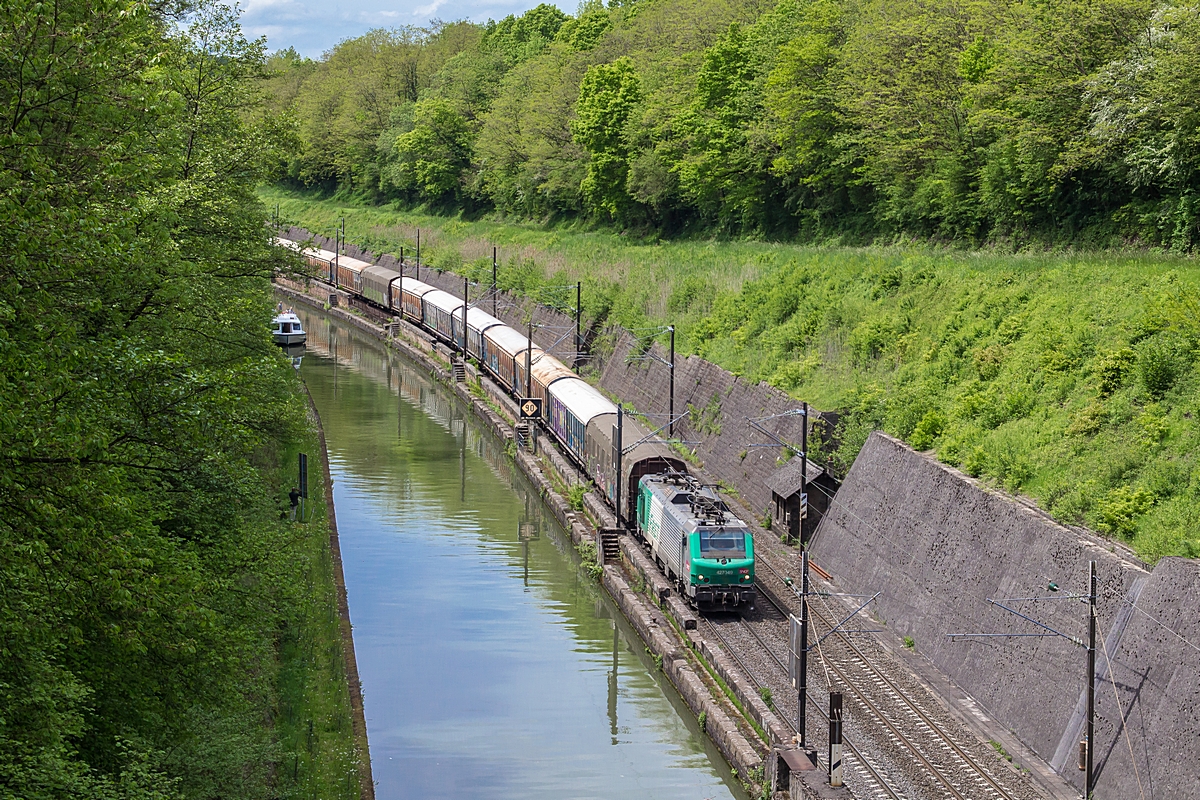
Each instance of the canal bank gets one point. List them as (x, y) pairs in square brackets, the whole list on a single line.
[(730, 712), (362, 755)]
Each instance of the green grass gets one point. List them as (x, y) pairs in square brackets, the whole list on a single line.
[(314, 725), (1068, 377)]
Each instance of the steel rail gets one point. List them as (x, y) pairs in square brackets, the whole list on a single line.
[(873, 773), (968, 760)]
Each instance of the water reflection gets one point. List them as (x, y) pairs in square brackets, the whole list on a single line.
[(490, 667)]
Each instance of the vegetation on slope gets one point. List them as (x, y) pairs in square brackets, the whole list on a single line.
[(151, 597), (1069, 378), (987, 120)]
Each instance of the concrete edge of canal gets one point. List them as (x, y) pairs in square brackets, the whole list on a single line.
[(358, 717), (691, 663)]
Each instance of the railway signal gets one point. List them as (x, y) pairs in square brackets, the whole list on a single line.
[(835, 739), (531, 408)]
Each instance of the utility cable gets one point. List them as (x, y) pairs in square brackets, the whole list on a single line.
[(1173, 632), (1120, 711)]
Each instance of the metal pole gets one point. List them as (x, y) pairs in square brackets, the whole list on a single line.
[(578, 311), (1091, 719), (493, 281), (529, 364), (802, 700), (618, 448), (418, 254), (835, 739), (804, 477), (671, 400), (466, 287), (337, 250)]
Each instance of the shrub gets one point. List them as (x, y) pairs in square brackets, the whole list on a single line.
[(869, 340), (1112, 368), (1161, 361), (928, 430), (988, 361), (1119, 510), (575, 493), (1089, 420), (976, 462)]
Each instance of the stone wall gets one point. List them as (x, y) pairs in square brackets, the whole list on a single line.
[(715, 407), (1156, 672), (937, 545)]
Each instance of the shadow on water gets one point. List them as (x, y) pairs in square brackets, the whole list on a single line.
[(491, 665)]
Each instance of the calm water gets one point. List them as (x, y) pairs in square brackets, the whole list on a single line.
[(490, 666)]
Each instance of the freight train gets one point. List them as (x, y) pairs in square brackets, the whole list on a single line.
[(707, 551)]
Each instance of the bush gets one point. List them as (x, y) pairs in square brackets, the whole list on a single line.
[(1118, 512), (870, 340), (1161, 361), (575, 493), (928, 430), (1112, 368), (976, 462)]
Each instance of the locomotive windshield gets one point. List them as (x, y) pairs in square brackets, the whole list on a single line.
[(722, 544)]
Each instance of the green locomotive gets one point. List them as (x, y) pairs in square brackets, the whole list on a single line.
[(704, 548)]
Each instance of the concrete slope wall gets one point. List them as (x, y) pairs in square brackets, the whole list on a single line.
[(716, 423), (937, 545), (1156, 672)]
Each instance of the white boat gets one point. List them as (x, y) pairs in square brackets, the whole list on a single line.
[(288, 329)]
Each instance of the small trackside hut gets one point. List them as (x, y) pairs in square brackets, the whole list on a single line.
[(790, 514)]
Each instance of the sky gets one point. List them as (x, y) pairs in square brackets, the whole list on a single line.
[(315, 26)]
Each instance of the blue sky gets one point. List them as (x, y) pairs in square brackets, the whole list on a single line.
[(314, 26)]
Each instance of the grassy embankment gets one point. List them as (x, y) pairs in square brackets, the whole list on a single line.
[(1068, 377), (314, 726)]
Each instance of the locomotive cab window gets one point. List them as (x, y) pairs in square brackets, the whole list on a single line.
[(722, 544)]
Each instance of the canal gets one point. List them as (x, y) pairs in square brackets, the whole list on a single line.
[(491, 665)]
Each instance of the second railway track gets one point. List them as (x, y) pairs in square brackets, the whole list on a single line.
[(896, 748)]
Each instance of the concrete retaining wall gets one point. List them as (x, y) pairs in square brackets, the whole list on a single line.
[(1156, 670), (936, 545), (715, 405)]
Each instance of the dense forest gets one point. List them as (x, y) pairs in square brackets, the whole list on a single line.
[(149, 593), (985, 121)]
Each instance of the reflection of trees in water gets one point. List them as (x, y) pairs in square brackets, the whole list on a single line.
[(595, 623)]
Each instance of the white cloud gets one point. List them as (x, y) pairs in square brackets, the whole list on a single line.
[(424, 11)]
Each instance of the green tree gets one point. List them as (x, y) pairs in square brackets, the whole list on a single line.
[(432, 156), (608, 98), (139, 397)]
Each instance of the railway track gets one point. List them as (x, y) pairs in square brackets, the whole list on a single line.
[(863, 777), (905, 748)]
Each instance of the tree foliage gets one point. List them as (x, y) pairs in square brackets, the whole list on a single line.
[(956, 120), (140, 401)]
